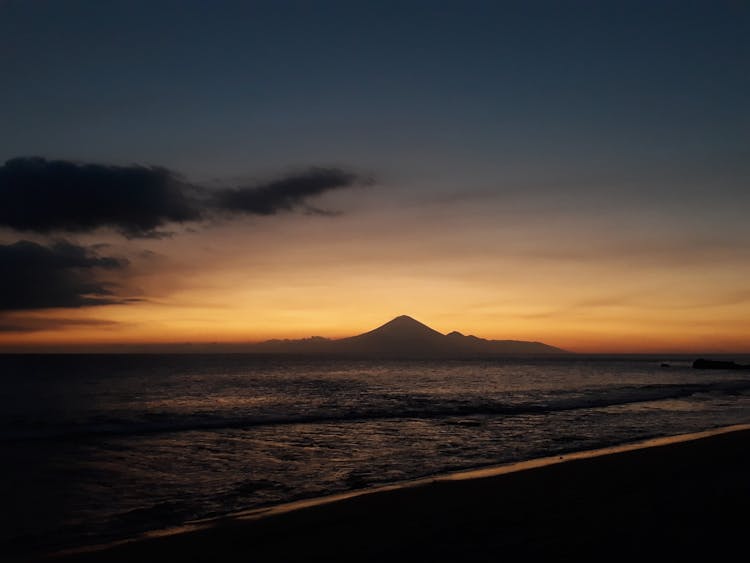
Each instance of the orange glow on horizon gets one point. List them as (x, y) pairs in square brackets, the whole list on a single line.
[(580, 289), (627, 333)]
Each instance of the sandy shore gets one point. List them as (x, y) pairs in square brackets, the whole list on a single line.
[(688, 500)]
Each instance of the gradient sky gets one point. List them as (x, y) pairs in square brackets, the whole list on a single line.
[(570, 172)]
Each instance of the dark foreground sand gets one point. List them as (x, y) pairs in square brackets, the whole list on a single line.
[(684, 501)]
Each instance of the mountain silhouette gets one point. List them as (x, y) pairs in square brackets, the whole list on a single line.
[(402, 337), (405, 337)]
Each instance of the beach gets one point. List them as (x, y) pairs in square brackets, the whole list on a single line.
[(685, 500)]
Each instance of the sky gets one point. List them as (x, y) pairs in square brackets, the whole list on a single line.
[(188, 172)]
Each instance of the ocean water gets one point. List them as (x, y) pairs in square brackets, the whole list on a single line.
[(103, 447)]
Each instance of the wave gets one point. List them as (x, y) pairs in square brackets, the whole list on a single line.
[(407, 407)]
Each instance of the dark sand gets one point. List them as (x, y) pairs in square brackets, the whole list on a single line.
[(683, 501)]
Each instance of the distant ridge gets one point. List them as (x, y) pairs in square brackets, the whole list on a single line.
[(405, 337)]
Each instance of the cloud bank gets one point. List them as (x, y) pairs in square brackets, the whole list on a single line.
[(59, 275), (25, 324), (50, 196)]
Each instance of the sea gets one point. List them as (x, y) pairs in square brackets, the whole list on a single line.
[(99, 448)]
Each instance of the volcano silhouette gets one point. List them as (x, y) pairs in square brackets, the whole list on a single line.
[(405, 337)]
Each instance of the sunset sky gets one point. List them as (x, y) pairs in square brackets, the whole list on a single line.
[(569, 172)]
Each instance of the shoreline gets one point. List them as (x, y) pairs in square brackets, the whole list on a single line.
[(291, 509)]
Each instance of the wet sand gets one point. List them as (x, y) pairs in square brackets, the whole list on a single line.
[(681, 501)]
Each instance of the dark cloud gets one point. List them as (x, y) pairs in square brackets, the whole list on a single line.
[(49, 196), (284, 194), (60, 275), (46, 196), (41, 324)]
